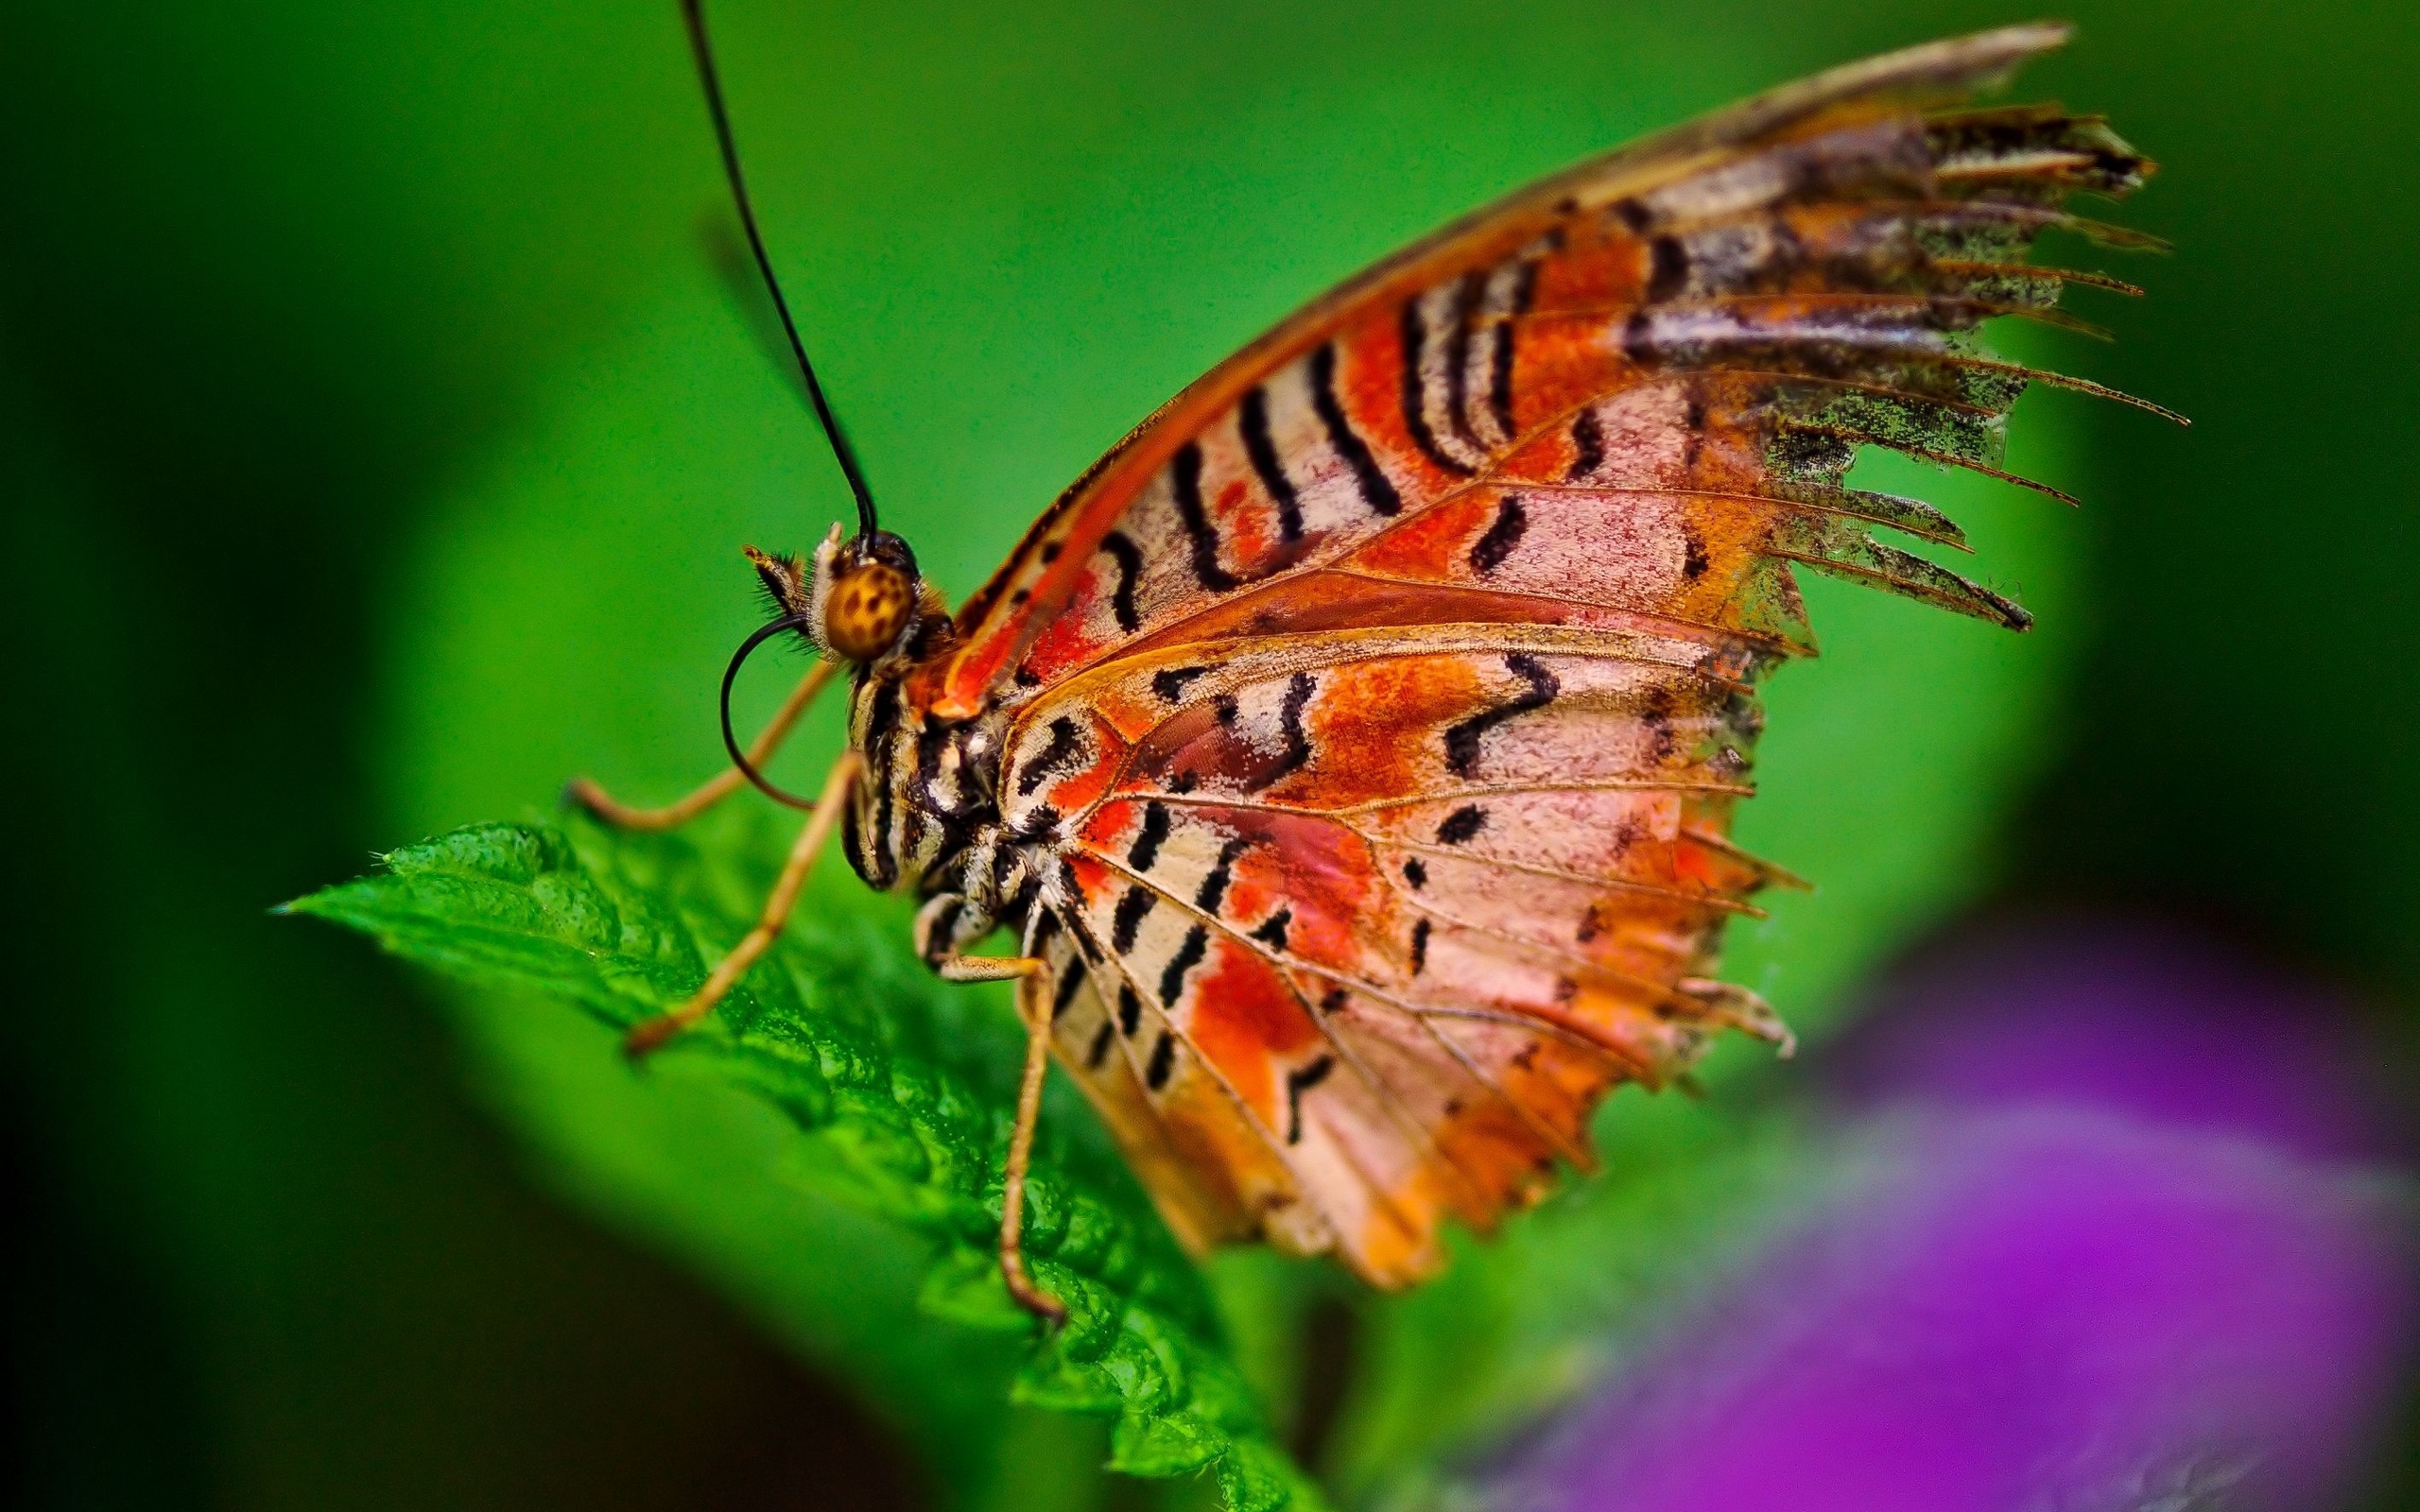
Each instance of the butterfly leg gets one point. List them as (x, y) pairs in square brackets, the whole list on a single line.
[(588, 795), (1032, 978), (651, 1033)]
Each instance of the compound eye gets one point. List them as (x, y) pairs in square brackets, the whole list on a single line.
[(867, 610)]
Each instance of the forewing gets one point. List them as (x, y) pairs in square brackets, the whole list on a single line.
[(1675, 348)]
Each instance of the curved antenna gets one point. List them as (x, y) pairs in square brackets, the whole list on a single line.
[(731, 741), (693, 11)]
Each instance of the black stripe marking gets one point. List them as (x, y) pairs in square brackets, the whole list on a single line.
[(1290, 722), (1019, 906), (1168, 685), (1044, 929), (1462, 824), (1099, 1050), (956, 831), (1039, 821), (1138, 900), (1413, 329), (1147, 845), (1185, 480), (1638, 338), (1252, 422), (1055, 753), (1512, 521), (853, 843), (1299, 1081), (929, 746), (1130, 1011), (882, 725), (1335, 1000), (1667, 268), (1130, 569), (1419, 946), (1587, 445), (1461, 741), (1458, 356), (1155, 1075), (1214, 887), (1693, 558), (1499, 389), (1071, 981), (1187, 956), (1273, 931), (1412, 333), (1416, 872), (1071, 892), (1377, 491)]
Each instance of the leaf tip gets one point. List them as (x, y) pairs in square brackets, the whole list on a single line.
[(309, 904)]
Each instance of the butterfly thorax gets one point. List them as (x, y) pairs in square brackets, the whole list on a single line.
[(926, 819)]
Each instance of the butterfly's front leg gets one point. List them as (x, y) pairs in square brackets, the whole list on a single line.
[(651, 1033), (1032, 977), (585, 792)]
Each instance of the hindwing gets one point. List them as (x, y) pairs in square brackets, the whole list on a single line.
[(1382, 913)]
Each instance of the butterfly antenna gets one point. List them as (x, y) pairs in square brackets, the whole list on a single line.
[(693, 11)]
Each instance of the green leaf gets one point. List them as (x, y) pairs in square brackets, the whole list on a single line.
[(894, 1093), (572, 614)]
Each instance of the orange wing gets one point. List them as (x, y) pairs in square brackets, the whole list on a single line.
[(1369, 920), (1386, 696), (1801, 270)]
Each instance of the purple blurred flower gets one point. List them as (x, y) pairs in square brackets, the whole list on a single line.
[(2167, 1026), (2092, 1259)]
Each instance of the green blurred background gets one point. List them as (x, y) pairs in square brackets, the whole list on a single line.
[(379, 437)]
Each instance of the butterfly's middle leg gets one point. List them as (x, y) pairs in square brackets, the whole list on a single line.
[(588, 795), (651, 1033), (1032, 977)]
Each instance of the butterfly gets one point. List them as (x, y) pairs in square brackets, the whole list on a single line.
[(1352, 751)]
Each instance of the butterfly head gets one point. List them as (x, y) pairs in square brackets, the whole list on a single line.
[(861, 599)]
